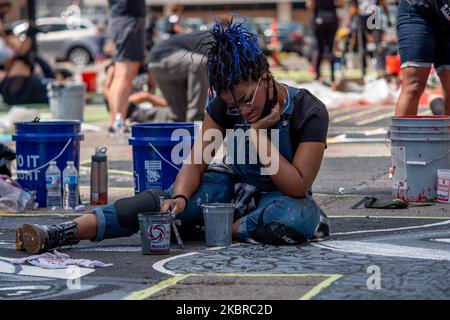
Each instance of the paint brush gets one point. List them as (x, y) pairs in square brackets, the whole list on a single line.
[(174, 225), (177, 235)]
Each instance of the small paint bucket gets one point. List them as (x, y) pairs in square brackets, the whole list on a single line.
[(218, 218), (443, 190), (155, 232)]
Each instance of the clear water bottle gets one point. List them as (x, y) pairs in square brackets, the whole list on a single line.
[(53, 183), (70, 184), (119, 128)]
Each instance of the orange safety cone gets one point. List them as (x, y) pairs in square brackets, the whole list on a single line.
[(275, 45)]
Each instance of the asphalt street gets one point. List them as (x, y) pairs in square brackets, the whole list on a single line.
[(371, 254)]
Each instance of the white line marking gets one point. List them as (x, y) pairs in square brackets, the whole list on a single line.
[(25, 288), (8, 268), (219, 248), (393, 229), (384, 249), (159, 266), (108, 249), (444, 240)]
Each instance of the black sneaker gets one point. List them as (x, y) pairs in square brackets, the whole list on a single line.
[(111, 130), (323, 230)]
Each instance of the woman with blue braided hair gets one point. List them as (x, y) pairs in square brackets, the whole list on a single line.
[(291, 124)]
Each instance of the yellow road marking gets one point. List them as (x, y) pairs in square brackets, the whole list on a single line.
[(355, 115), (147, 293), (425, 113), (339, 111), (320, 287), (336, 139), (375, 119)]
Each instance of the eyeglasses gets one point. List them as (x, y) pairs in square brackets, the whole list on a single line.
[(236, 108)]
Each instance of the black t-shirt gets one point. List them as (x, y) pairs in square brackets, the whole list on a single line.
[(133, 8), (326, 9), (308, 122), (196, 42)]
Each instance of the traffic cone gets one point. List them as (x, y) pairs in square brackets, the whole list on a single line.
[(275, 45)]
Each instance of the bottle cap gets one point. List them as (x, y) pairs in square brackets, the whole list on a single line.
[(70, 163), (100, 155)]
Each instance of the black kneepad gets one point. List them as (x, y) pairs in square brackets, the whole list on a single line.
[(128, 209), (278, 234)]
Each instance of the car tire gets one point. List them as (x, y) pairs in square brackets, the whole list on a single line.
[(79, 56)]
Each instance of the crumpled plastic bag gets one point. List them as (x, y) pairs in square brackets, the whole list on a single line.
[(378, 92), (13, 198), (17, 114)]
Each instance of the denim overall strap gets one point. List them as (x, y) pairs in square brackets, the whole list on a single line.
[(251, 173)]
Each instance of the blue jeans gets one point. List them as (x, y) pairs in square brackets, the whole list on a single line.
[(421, 42), (303, 215)]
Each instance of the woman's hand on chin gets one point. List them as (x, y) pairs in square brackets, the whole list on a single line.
[(269, 121)]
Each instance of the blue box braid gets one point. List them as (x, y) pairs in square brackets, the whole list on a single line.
[(234, 55)]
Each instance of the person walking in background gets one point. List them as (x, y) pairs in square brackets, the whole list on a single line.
[(362, 13), (101, 40), (127, 30), (423, 28), (325, 25), (173, 21), (151, 32)]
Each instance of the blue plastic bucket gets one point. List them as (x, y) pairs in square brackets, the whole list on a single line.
[(37, 143), (157, 154)]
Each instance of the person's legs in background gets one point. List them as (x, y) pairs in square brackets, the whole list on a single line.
[(444, 75), (442, 64), (329, 46), (318, 31), (128, 35), (414, 80), (124, 73), (379, 52), (417, 45)]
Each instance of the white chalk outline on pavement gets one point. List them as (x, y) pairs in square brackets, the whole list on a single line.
[(392, 229), (443, 240), (384, 249), (8, 268), (159, 266)]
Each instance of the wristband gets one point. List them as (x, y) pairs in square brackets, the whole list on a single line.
[(178, 196)]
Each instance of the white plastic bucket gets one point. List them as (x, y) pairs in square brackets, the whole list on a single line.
[(443, 189), (420, 145), (66, 100)]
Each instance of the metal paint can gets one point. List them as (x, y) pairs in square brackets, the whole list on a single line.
[(155, 232)]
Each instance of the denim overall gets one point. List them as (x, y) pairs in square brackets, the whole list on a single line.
[(302, 215)]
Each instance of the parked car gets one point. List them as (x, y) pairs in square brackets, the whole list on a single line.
[(290, 36), (63, 39)]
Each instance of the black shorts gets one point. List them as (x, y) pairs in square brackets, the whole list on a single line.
[(128, 35)]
